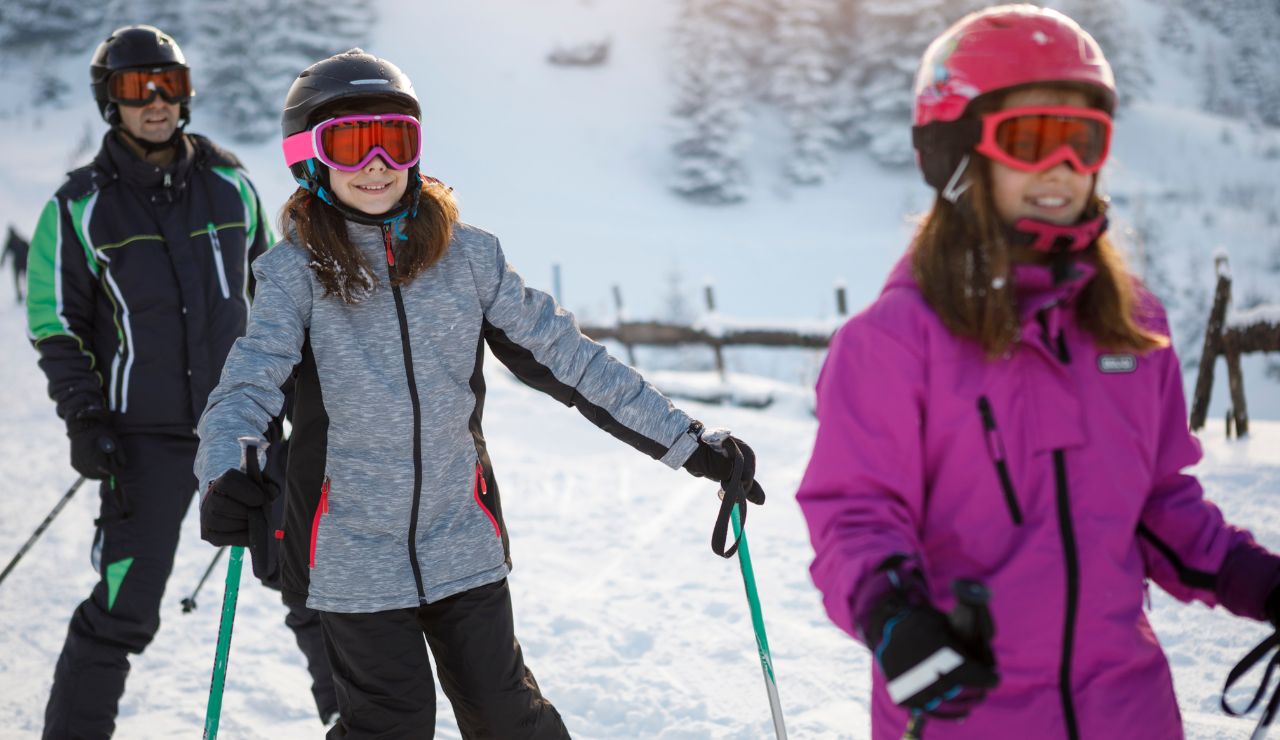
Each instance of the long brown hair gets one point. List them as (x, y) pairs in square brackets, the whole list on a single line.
[(963, 263), (340, 267)]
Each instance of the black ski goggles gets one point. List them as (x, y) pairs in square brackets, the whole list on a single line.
[(141, 86)]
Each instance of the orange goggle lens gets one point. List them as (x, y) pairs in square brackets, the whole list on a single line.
[(347, 143), (1036, 138), (140, 86)]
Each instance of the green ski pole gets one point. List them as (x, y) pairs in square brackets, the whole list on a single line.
[(249, 462), (757, 622)]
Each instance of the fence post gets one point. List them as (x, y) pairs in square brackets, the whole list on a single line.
[(1235, 381), (622, 326), (842, 304), (1212, 343), (709, 294)]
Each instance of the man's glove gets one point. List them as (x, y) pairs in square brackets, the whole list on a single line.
[(236, 511), (95, 450), (928, 664)]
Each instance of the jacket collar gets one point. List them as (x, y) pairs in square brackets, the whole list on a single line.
[(121, 163)]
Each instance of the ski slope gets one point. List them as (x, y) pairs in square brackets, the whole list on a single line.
[(632, 626)]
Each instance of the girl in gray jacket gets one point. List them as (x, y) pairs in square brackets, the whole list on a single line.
[(378, 304)]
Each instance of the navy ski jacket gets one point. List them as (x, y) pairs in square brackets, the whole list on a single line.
[(139, 283)]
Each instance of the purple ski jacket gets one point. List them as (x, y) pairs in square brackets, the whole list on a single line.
[(1094, 443)]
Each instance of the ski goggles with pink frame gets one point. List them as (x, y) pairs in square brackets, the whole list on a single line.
[(1035, 138), (349, 143)]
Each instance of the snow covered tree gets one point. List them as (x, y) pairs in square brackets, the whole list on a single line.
[(803, 65), (63, 26), (713, 84), (250, 51), (890, 37), (1173, 31), (1121, 42)]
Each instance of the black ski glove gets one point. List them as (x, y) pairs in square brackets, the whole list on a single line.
[(236, 511), (95, 450), (713, 459), (935, 664), (727, 459)]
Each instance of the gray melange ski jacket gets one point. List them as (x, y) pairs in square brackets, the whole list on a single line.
[(391, 499)]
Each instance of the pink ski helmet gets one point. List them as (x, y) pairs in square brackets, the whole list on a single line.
[(995, 49)]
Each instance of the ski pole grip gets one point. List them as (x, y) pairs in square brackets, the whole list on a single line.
[(251, 451)]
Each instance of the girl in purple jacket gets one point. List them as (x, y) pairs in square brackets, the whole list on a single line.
[(1002, 434)]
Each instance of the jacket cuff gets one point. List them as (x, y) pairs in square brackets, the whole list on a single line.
[(1249, 575), (680, 450)]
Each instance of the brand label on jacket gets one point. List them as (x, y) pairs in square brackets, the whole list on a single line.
[(1124, 363)]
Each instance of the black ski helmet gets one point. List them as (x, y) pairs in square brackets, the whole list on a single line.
[(352, 74), (133, 47)]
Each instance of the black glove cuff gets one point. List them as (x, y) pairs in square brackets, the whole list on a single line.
[(86, 418)]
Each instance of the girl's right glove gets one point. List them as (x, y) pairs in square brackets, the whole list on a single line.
[(235, 511), (929, 666)]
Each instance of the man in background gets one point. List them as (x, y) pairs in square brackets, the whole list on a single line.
[(139, 284)]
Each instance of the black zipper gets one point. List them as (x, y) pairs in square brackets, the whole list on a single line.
[(403, 318), (1071, 556), (995, 449)]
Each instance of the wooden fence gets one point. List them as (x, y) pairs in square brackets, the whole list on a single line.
[(666, 334), (1229, 341)]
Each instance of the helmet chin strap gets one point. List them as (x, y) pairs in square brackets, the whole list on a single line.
[(1057, 240), (317, 181), (1047, 237)]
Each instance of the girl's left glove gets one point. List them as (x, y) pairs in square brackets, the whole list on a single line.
[(722, 457), (714, 459)]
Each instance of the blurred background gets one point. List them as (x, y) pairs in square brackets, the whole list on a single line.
[(760, 146)]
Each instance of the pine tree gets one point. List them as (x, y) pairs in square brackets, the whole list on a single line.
[(712, 76), (891, 36), (251, 51), (62, 26), (1120, 40), (803, 86), (1173, 31)]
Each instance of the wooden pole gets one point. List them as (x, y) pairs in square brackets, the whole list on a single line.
[(622, 326), (1212, 344), (842, 304), (716, 345), (1235, 382)]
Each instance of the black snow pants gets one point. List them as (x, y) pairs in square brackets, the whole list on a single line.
[(383, 673), (137, 537)]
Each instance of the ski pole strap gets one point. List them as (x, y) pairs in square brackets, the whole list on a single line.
[(1254, 657), (733, 493)]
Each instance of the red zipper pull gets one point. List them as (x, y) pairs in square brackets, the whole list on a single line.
[(484, 487), (391, 256), (324, 496)]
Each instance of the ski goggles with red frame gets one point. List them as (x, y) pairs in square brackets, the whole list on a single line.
[(141, 86), (349, 143), (1035, 138)]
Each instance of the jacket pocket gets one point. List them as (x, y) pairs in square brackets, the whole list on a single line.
[(480, 491), (996, 451), (216, 245), (322, 508)]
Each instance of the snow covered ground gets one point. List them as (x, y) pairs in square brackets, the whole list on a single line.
[(633, 627)]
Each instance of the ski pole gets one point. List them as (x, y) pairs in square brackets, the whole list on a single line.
[(757, 623), (189, 603), (43, 526), (249, 462)]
